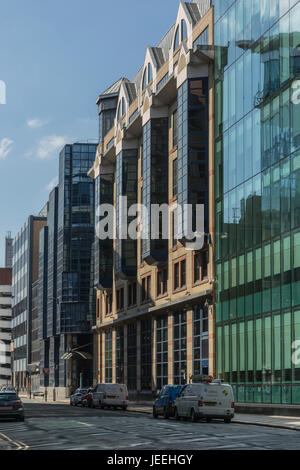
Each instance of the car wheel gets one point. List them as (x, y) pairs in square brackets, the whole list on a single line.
[(177, 417), (21, 419), (193, 416), (227, 420), (124, 408), (115, 408), (154, 413), (166, 414), (208, 420)]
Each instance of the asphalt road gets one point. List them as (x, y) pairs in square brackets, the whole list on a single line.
[(63, 427)]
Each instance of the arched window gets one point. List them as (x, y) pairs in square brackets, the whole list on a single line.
[(145, 79), (119, 112), (150, 73), (183, 30), (176, 40), (123, 106)]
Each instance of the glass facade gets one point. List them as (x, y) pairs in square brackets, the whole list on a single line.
[(120, 355), (75, 239), (179, 348), (257, 152), (192, 166), (161, 351), (108, 357), (155, 184), (146, 354), (103, 249), (126, 247), (131, 356)]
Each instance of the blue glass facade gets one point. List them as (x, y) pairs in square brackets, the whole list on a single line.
[(126, 174), (103, 249), (155, 184), (193, 146), (257, 161)]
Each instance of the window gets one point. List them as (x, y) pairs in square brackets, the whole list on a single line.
[(200, 341), (175, 177), (146, 355), (131, 294), (175, 127), (108, 356), (200, 266), (146, 288), (180, 274), (131, 356), (162, 282), (148, 75), (162, 351), (183, 30), (120, 355), (176, 40), (108, 303), (120, 299), (145, 79), (179, 345)]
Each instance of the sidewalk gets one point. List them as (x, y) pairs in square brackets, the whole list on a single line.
[(273, 421)]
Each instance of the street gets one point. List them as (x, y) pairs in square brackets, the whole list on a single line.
[(50, 426)]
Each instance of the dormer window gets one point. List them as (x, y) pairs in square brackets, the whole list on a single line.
[(148, 75), (181, 34)]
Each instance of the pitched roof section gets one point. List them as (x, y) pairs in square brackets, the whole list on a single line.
[(131, 91), (115, 87)]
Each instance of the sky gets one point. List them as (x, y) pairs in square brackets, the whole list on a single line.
[(56, 57)]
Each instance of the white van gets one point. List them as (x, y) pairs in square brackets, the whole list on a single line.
[(205, 400), (110, 395)]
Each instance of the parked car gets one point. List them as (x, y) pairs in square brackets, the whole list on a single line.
[(165, 402), (110, 395), (76, 398), (205, 400), (87, 400), (11, 406)]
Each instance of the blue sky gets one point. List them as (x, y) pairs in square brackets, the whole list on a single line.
[(55, 58)]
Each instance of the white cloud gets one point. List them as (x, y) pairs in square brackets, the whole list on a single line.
[(35, 123), (51, 185), (48, 145), (5, 147)]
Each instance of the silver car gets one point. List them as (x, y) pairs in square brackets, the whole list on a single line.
[(76, 398)]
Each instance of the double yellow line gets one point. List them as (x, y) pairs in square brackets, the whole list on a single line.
[(18, 444)]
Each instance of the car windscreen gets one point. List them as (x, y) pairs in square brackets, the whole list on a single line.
[(8, 397)]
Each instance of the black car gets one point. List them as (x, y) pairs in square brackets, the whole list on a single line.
[(11, 406)]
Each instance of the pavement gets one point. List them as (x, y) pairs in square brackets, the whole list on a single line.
[(52, 426)]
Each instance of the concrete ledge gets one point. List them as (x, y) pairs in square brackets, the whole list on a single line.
[(267, 409)]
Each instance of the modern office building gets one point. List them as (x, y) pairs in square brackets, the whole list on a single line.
[(257, 181), (8, 250), (154, 306), (66, 294), (5, 325), (26, 364)]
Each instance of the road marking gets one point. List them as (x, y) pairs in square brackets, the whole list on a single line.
[(15, 443), (43, 445), (85, 424)]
